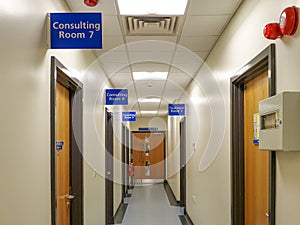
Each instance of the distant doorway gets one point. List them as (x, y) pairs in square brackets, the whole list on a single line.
[(148, 153)]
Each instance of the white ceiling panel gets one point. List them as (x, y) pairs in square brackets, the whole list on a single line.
[(121, 80), (199, 44), (181, 79), (172, 91), (110, 42), (204, 25), (149, 88), (212, 7), (111, 26), (155, 52), (202, 55), (149, 106), (150, 67)]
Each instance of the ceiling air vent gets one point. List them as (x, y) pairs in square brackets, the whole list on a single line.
[(141, 25)]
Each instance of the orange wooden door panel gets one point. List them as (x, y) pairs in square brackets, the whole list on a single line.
[(63, 156), (155, 158), (256, 161)]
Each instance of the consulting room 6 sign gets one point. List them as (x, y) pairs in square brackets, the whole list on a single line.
[(75, 30)]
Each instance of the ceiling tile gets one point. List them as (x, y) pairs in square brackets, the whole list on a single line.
[(121, 80), (111, 26), (212, 7), (110, 42), (149, 88), (199, 44), (202, 55), (149, 106), (204, 25), (180, 79), (150, 67), (172, 91)]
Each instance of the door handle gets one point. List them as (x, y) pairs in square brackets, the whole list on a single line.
[(267, 214), (70, 197)]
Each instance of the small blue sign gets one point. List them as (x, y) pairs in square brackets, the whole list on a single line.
[(59, 145), (76, 30), (116, 96), (148, 129), (256, 141), (176, 109), (128, 116)]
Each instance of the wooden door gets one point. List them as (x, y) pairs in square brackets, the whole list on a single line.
[(256, 161), (148, 155), (63, 155)]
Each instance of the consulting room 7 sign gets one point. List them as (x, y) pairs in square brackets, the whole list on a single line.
[(75, 30)]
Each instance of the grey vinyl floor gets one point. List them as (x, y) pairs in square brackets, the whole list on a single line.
[(149, 205)]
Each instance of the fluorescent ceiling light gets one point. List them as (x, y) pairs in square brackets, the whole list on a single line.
[(148, 112), (150, 75), (149, 7), (146, 100)]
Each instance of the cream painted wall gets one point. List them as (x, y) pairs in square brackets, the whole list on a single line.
[(25, 111), (173, 155), (242, 40), (160, 122)]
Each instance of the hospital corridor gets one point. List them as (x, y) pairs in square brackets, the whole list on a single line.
[(149, 112)]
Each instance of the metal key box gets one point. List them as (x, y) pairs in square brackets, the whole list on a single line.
[(280, 122)]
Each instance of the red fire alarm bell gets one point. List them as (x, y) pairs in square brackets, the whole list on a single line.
[(289, 20), (272, 31), (288, 24), (91, 2)]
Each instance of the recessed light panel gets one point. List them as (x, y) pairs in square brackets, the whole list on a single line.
[(152, 7), (150, 75)]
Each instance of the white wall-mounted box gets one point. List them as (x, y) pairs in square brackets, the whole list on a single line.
[(280, 122)]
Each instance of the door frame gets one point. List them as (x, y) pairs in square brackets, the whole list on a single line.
[(109, 168), (57, 74), (182, 130), (263, 61), (124, 166)]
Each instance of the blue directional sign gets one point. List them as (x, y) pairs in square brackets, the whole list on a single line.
[(116, 97), (148, 129), (176, 109), (128, 116), (76, 30)]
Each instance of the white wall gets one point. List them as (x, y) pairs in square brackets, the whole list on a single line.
[(160, 122), (242, 41), (25, 111), (173, 155)]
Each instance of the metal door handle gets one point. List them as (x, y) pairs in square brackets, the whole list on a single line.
[(267, 214), (70, 197)]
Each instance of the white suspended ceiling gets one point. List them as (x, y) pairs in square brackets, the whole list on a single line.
[(197, 30)]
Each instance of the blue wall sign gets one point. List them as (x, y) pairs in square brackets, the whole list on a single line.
[(148, 129), (116, 96), (176, 109), (76, 30), (128, 116)]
